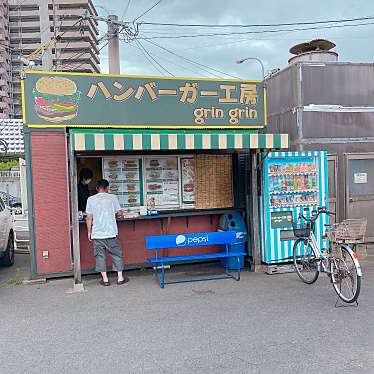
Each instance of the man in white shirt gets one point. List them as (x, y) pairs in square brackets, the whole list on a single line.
[(102, 230)]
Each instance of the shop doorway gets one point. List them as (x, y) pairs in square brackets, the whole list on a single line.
[(360, 189), (332, 182), (94, 164)]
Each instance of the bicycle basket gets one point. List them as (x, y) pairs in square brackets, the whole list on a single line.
[(350, 231), (301, 229)]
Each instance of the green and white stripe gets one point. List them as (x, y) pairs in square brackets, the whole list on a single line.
[(148, 140)]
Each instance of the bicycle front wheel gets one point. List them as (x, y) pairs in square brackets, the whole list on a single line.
[(305, 261), (346, 274)]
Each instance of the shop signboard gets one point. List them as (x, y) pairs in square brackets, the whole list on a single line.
[(55, 99)]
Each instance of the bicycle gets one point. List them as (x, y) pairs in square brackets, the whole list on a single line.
[(338, 260)]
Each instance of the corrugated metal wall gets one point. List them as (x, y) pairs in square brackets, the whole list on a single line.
[(298, 100), (282, 98), (282, 93), (337, 125), (338, 84)]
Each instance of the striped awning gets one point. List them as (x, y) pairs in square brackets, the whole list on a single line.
[(148, 140)]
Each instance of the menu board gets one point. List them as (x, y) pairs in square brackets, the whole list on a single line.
[(124, 176), (188, 180), (162, 181), (293, 184)]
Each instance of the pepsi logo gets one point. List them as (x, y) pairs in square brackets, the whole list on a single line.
[(180, 240)]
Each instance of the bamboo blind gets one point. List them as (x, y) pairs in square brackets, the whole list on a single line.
[(213, 181)]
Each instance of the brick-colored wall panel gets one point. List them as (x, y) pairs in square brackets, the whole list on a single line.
[(132, 237), (51, 201)]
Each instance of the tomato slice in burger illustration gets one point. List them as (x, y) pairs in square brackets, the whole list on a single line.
[(56, 99)]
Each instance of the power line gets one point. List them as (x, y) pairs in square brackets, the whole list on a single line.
[(260, 25), (76, 56), (66, 64), (180, 66), (7, 46), (148, 10), (20, 3), (125, 10), (103, 46), (153, 59), (71, 65), (67, 44), (191, 61), (246, 40), (79, 54), (103, 8), (256, 32), (149, 60)]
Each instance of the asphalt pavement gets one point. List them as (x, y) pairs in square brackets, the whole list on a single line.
[(262, 324)]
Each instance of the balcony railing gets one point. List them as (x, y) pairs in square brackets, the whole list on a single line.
[(9, 175)]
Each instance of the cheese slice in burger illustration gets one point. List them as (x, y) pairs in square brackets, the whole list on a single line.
[(56, 99)]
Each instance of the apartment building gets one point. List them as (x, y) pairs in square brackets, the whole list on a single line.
[(6, 98), (25, 25)]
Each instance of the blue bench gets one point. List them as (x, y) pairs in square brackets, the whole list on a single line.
[(201, 239)]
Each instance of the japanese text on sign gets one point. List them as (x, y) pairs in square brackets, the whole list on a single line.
[(133, 101)]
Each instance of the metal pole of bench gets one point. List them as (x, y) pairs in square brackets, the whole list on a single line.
[(255, 216)]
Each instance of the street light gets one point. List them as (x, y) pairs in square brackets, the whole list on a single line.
[(254, 59)]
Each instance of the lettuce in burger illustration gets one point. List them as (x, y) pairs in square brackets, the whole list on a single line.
[(56, 99)]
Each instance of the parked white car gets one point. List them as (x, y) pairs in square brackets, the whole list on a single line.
[(6, 236)]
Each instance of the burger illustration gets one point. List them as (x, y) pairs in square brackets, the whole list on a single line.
[(113, 164), (154, 163), (56, 99), (113, 175), (114, 188), (131, 187), (132, 199), (188, 187)]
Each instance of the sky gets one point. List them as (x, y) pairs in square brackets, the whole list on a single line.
[(221, 52)]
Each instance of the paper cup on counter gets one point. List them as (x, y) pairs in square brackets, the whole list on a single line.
[(143, 210)]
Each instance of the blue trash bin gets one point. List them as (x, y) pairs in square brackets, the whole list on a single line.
[(233, 221)]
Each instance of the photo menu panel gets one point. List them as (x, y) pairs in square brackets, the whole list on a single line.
[(162, 181), (124, 176)]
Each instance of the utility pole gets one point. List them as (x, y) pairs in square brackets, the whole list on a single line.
[(113, 45), (47, 58), (114, 28)]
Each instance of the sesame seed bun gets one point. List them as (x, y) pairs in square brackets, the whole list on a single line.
[(56, 86)]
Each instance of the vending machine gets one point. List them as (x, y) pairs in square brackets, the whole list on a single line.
[(292, 183)]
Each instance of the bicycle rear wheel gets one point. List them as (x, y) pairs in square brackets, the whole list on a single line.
[(346, 274), (305, 261)]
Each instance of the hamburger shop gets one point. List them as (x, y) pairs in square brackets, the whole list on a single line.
[(179, 153)]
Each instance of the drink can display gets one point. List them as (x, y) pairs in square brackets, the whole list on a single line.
[(291, 183)]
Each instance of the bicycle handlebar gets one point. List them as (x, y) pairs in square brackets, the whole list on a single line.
[(316, 214)]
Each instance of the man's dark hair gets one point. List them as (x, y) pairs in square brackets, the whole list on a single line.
[(102, 183), (85, 173)]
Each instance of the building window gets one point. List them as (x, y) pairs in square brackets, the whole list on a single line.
[(50, 6)]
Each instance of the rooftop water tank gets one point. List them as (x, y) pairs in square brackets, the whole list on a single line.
[(317, 50)]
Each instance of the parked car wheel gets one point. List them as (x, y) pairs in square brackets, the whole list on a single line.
[(8, 259)]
